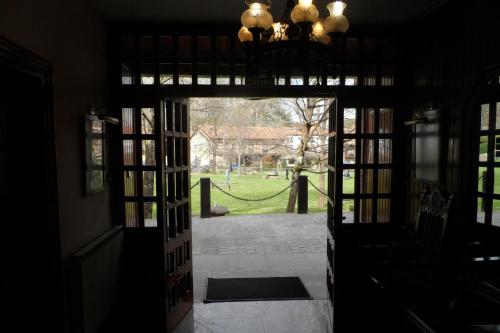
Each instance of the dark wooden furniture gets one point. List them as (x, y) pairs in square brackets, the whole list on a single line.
[(410, 270), (413, 261)]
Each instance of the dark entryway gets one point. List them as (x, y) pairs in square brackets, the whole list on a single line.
[(30, 257)]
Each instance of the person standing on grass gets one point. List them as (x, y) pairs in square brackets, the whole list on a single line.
[(228, 176)]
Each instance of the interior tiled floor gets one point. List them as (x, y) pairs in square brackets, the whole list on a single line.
[(260, 246)]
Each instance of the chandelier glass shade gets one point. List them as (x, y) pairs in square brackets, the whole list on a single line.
[(257, 16), (304, 11), (299, 36)]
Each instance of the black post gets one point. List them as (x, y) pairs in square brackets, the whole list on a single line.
[(204, 197), (302, 199)]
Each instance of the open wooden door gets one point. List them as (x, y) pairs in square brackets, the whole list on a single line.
[(360, 183), (177, 212), (157, 212)]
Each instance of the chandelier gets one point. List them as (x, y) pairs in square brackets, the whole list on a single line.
[(298, 38)]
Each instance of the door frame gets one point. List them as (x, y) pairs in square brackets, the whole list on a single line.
[(18, 59)]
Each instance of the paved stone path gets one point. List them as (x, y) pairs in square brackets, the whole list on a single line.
[(261, 246)]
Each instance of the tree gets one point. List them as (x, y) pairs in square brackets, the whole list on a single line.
[(208, 112), (240, 120), (311, 115)]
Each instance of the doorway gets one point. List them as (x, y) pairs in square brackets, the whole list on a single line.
[(28, 193)]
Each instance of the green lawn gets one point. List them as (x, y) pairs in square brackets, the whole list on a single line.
[(254, 186), (496, 185)]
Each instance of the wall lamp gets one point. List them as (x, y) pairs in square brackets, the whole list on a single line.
[(422, 120), (101, 116)]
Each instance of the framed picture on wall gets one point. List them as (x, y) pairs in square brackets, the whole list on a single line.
[(95, 144), (427, 143)]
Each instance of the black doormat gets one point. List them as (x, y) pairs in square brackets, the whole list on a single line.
[(255, 289)]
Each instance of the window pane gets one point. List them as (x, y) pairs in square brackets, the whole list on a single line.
[(497, 125), (348, 181), (296, 81), (240, 74), (238, 48), (131, 215), (481, 179), (368, 121), (366, 181), (147, 120), (480, 210), (204, 46), (128, 152), (128, 121), (352, 48), (349, 121), (495, 218), (185, 46), (150, 220), (148, 152), (185, 74), (483, 149), (370, 48), (130, 183), (222, 71), (280, 80), (370, 78), (204, 74), (223, 46), (349, 151), (149, 183), (333, 78), (387, 76), (315, 79), (166, 47), (167, 74), (485, 117), (385, 151), (365, 210), (351, 80), (384, 181), (496, 181), (129, 72), (385, 121), (147, 74), (352, 73), (146, 44), (383, 210), (127, 46), (348, 211), (497, 148), (367, 151)]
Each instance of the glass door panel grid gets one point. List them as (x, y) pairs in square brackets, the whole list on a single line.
[(139, 138), (488, 158), (365, 183)]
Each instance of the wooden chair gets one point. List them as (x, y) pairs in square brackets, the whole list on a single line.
[(413, 263)]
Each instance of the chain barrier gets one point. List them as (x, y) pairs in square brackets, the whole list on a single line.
[(196, 184), (252, 200), (316, 172), (317, 189)]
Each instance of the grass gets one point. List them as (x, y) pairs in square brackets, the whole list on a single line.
[(496, 186), (254, 186)]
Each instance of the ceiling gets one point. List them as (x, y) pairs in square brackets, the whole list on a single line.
[(361, 12)]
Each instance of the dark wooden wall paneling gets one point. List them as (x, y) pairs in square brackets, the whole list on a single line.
[(447, 54)]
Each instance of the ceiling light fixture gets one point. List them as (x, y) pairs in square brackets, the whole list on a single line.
[(299, 36)]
